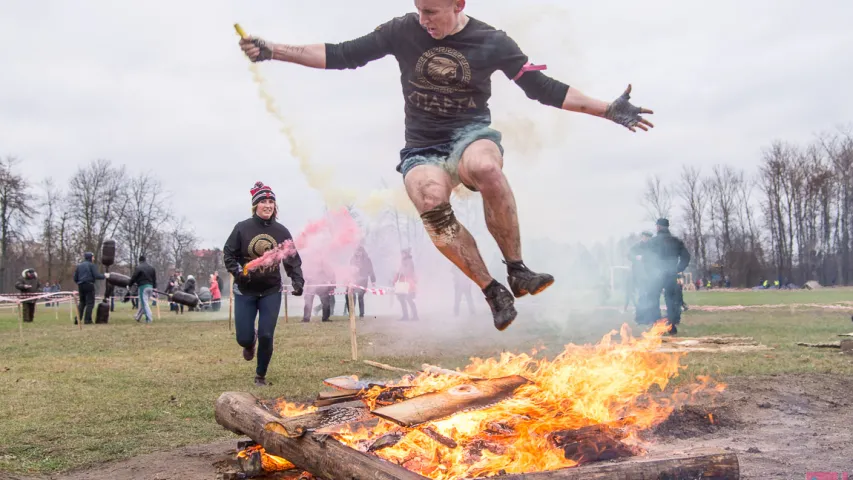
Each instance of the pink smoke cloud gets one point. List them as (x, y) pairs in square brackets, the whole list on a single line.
[(333, 236)]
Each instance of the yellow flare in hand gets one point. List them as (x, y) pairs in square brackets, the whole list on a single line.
[(240, 30)]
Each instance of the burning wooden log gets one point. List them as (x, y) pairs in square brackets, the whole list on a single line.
[(323, 456), (475, 394), (593, 443), (339, 396), (705, 465)]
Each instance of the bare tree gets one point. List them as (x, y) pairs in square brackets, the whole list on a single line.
[(694, 204), (146, 212), (50, 203), (97, 201), (15, 210), (657, 199), (182, 240)]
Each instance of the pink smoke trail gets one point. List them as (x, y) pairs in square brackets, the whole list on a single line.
[(324, 237)]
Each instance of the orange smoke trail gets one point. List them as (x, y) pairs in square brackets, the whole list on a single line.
[(321, 179)]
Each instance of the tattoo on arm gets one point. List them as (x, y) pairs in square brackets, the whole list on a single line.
[(289, 53)]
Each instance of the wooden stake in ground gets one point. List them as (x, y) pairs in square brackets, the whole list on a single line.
[(71, 304), (158, 308), (352, 336), (387, 367), (285, 305), (230, 301), (320, 455), (21, 320)]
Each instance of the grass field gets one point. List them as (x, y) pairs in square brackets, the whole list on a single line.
[(72, 398)]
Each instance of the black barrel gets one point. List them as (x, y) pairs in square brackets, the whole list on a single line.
[(108, 253), (185, 299), (119, 280)]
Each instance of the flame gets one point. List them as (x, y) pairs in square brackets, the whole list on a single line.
[(270, 463), (612, 383), (273, 463)]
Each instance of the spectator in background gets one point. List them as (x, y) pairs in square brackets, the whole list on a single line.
[(47, 289), (189, 287), (320, 279), (174, 285), (461, 288), (144, 277), (84, 276), (215, 293), (363, 274), (669, 257), (29, 285), (405, 285)]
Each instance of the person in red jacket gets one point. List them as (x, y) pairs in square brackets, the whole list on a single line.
[(215, 294)]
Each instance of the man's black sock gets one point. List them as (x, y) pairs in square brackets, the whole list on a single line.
[(511, 266), (494, 283)]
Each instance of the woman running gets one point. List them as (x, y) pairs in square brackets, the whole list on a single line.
[(258, 292)]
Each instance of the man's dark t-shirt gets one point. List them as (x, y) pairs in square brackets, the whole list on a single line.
[(446, 83)]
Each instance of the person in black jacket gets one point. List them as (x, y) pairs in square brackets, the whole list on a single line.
[(257, 293), (29, 284), (669, 258), (363, 270), (145, 277), (85, 276)]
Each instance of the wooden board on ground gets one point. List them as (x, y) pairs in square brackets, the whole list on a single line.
[(820, 345), (717, 344), (699, 464), (712, 349), (349, 382), (337, 396), (472, 395), (716, 339), (320, 455), (846, 334)]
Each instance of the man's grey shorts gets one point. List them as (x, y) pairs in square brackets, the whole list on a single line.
[(447, 155)]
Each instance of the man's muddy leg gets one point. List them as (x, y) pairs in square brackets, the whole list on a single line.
[(429, 188), (481, 167)]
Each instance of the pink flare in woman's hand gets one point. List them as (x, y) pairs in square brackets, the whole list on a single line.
[(271, 257), (323, 237)]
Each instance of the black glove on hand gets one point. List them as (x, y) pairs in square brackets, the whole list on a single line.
[(624, 113), (242, 279), (297, 289), (266, 50)]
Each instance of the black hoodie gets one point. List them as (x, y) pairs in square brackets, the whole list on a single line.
[(248, 241)]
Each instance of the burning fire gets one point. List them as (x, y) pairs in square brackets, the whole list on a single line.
[(270, 463), (618, 384)]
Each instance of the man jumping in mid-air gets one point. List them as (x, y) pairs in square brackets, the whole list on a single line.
[(446, 60)]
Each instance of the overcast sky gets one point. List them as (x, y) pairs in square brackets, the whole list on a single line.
[(163, 86)]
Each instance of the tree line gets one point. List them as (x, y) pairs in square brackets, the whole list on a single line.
[(789, 221), (47, 225)]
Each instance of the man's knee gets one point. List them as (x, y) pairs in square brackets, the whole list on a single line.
[(428, 186), (482, 164), (441, 224)]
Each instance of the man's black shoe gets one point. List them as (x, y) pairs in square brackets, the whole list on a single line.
[(501, 303), (523, 281)]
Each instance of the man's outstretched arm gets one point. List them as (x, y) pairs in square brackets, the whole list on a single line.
[(257, 50), (620, 110), (350, 54)]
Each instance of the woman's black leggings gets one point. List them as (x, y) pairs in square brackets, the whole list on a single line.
[(265, 308)]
